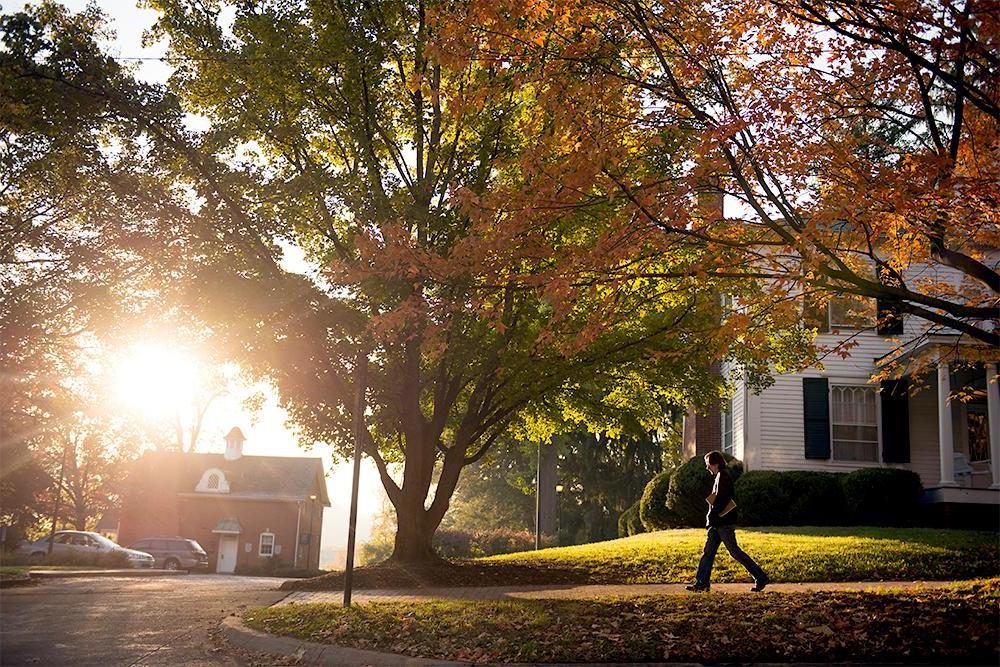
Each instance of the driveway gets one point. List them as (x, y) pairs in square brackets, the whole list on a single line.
[(112, 621)]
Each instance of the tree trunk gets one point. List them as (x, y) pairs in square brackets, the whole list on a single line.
[(414, 537)]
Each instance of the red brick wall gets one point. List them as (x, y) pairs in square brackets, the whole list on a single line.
[(199, 516), (149, 505)]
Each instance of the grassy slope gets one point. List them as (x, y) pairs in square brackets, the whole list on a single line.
[(788, 554), (947, 626)]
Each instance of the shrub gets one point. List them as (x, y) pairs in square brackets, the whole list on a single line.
[(653, 511), (453, 543), (815, 498), (376, 550), (629, 522), (690, 484), (762, 499), (503, 541), (882, 496), (268, 567)]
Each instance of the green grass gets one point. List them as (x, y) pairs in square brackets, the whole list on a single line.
[(956, 624), (786, 554)]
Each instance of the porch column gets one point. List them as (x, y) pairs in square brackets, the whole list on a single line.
[(993, 413), (946, 443)]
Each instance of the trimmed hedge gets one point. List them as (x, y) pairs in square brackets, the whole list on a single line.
[(653, 511), (629, 523), (690, 484), (815, 498), (762, 499), (882, 496), (869, 496)]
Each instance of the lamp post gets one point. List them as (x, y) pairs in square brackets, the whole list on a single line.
[(312, 501)]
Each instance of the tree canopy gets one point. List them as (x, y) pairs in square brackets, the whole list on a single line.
[(860, 140)]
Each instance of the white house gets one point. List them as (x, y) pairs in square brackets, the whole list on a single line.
[(838, 420)]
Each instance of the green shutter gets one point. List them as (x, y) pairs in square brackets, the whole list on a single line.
[(895, 421), (816, 411)]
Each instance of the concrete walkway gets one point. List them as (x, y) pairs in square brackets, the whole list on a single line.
[(582, 592)]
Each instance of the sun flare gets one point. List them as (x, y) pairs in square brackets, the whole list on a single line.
[(156, 379)]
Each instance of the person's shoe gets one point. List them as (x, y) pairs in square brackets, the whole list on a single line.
[(697, 588), (760, 585)]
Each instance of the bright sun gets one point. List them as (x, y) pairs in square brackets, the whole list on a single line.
[(156, 379)]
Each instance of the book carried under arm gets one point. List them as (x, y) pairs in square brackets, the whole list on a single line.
[(730, 506)]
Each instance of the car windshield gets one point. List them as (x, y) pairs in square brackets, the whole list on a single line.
[(194, 545), (103, 541)]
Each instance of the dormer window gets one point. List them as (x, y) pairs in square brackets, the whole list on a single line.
[(213, 480)]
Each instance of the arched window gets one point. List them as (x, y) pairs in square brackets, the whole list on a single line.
[(213, 480)]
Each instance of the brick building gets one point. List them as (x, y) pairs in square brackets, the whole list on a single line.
[(244, 510)]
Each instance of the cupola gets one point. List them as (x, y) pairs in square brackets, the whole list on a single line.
[(234, 444)]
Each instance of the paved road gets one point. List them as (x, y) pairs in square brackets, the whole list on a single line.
[(122, 621)]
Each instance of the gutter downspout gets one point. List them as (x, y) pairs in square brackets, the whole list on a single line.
[(298, 522)]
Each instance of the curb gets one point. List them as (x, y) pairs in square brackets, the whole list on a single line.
[(69, 574), (313, 653)]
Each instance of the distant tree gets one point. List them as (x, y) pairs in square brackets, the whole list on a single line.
[(22, 486), (94, 453), (499, 493)]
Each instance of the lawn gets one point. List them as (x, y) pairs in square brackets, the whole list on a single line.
[(790, 554), (952, 625)]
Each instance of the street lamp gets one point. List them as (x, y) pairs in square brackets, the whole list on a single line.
[(312, 501)]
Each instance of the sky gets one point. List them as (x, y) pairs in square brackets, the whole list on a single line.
[(268, 434)]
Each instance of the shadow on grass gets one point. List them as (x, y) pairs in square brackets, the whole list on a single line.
[(443, 573)]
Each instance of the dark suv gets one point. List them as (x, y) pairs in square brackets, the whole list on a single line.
[(174, 553)]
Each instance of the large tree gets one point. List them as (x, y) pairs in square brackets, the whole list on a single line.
[(861, 139), (348, 132)]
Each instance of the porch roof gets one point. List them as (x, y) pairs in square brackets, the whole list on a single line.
[(228, 526), (926, 351)]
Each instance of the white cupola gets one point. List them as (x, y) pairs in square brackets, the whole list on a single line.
[(234, 444)]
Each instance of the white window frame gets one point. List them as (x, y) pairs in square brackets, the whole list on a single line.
[(847, 383), (206, 477), (831, 326), (260, 545), (728, 436)]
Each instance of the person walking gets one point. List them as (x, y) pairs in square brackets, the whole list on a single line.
[(721, 524)]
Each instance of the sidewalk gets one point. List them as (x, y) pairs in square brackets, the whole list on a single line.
[(582, 592)]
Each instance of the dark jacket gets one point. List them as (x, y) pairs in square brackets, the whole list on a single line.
[(723, 490)]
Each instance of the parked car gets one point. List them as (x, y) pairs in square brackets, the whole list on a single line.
[(174, 553), (84, 544)]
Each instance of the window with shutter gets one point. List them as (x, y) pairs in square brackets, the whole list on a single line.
[(816, 413), (890, 320)]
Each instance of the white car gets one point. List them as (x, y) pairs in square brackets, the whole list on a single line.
[(84, 543)]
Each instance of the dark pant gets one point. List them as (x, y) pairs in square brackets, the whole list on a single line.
[(725, 535)]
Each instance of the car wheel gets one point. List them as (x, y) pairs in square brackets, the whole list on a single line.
[(171, 564)]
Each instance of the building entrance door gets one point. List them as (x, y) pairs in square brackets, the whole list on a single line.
[(228, 548)]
